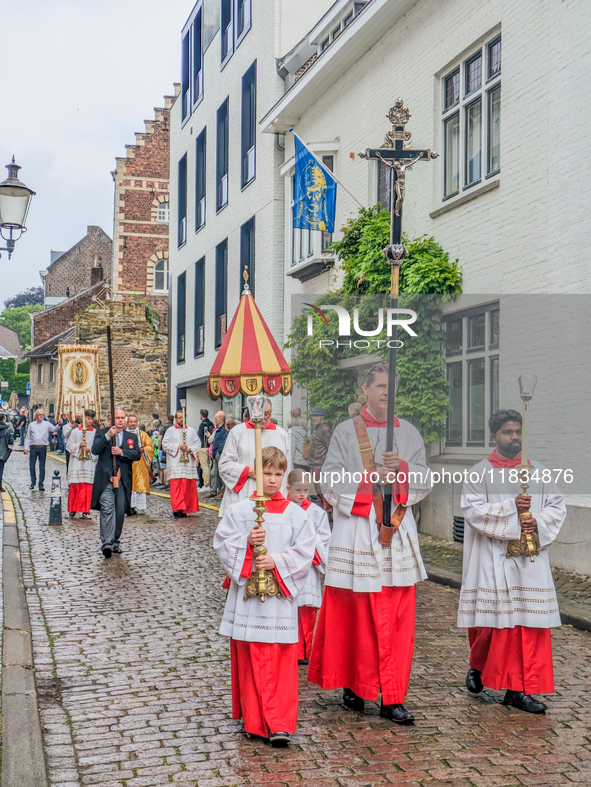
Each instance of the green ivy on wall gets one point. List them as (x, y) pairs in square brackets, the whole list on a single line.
[(17, 381), (427, 272)]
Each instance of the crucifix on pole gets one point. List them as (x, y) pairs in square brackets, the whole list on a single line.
[(396, 154)]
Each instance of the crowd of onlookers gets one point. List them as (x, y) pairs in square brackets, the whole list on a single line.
[(309, 443)]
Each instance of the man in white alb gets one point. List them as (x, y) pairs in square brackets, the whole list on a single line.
[(182, 476), (509, 604), (365, 632), (81, 471), (236, 464)]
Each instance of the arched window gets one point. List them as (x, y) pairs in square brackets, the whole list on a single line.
[(163, 215), (161, 276)]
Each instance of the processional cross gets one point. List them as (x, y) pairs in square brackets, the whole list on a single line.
[(398, 156)]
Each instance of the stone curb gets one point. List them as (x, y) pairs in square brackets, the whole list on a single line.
[(571, 613), (23, 760)]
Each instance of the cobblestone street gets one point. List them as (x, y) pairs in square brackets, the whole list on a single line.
[(134, 681)]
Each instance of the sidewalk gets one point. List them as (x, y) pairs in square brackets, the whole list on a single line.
[(443, 561)]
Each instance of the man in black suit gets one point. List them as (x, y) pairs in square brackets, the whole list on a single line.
[(112, 502)]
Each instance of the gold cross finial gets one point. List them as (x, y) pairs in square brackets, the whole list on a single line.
[(245, 277)]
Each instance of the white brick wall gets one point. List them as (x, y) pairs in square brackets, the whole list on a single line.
[(531, 234)]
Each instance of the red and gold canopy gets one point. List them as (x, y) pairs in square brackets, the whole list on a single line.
[(249, 360)]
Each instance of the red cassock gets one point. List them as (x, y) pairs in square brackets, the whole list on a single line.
[(519, 659), (265, 674), (183, 495), (79, 497), (264, 686), (364, 642), (306, 623)]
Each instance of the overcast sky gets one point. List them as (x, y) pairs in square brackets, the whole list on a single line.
[(77, 78)]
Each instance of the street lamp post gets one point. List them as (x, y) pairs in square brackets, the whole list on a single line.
[(15, 199)]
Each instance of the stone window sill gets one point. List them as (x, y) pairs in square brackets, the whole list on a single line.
[(476, 192)]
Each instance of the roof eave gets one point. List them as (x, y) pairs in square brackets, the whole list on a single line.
[(371, 25)]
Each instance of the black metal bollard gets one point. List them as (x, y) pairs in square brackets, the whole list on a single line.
[(55, 508)]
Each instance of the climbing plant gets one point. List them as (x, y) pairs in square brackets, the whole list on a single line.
[(427, 277)]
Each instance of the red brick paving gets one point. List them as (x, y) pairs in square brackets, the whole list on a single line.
[(134, 690)]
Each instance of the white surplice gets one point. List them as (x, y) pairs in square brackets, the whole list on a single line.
[(171, 443), (311, 594), (500, 591), (356, 560), (238, 453), (81, 471), (290, 541)]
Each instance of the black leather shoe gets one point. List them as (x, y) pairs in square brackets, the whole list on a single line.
[(279, 740), (117, 549), (474, 681), (352, 701), (72, 514), (41, 488), (132, 512), (106, 552), (32, 486), (397, 713), (525, 702)]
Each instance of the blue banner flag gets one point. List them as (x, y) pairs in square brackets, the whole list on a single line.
[(315, 192)]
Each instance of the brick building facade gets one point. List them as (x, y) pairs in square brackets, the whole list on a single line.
[(56, 319), (135, 264), (140, 233), (85, 264)]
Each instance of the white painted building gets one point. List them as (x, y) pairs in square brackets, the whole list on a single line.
[(508, 196), (499, 89), (226, 187)]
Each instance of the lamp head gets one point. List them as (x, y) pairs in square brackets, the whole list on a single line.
[(527, 384), (256, 408), (14, 200)]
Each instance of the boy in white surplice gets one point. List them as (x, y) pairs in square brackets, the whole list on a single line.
[(508, 604), (264, 637), (310, 599)]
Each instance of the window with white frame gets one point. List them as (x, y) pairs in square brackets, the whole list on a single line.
[(248, 125), (51, 371), (39, 373), (350, 12), (243, 19), (161, 276), (197, 69), (227, 29), (472, 365), (472, 119), (192, 63), (163, 213)]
